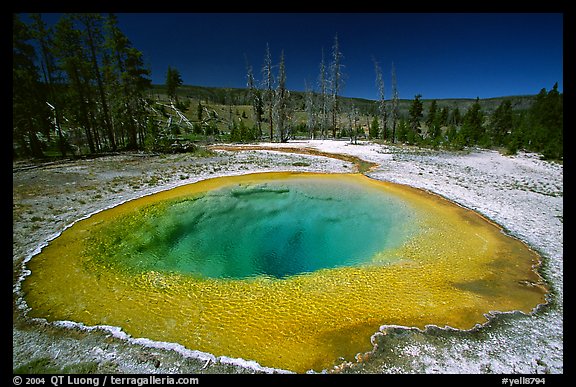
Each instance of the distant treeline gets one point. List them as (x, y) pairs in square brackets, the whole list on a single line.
[(79, 87), (538, 128)]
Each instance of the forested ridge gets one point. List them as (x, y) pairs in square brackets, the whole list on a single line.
[(81, 88)]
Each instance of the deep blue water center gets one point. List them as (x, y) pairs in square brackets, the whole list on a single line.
[(277, 229)]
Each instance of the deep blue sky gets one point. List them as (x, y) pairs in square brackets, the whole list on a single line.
[(438, 55)]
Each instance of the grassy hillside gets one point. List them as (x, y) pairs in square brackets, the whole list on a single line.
[(225, 105), (237, 96)]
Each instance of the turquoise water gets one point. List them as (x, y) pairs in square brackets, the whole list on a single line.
[(276, 229)]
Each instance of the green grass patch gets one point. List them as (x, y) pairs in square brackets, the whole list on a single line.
[(45, 365)]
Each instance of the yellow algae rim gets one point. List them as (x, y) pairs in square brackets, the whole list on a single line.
[(458, 269)]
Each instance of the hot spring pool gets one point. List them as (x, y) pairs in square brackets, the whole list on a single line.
[(292, 270), (275, 228)]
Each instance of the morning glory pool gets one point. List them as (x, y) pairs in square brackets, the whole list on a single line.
[(293, 270)]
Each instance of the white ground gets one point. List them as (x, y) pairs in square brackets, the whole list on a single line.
[(521, 193)]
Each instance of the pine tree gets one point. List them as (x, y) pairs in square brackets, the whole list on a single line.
[(93, 42), (415, 114), (129, 81), (173, 81), (443, 118), (501, 123), (49, 71), (431, 117), (94, 82), (28, 111), (72, 59), (403, 130), (544, 131), (374, 128), (455, 117), (472, 130)]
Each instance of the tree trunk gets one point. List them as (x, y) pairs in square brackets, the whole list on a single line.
[(96, 69)]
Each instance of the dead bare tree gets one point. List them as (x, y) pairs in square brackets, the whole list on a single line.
[(310, 111), (381, 101), (255, 99), (336, 83), (395, 112), (268, 83), (323, 84), (281, 102)]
